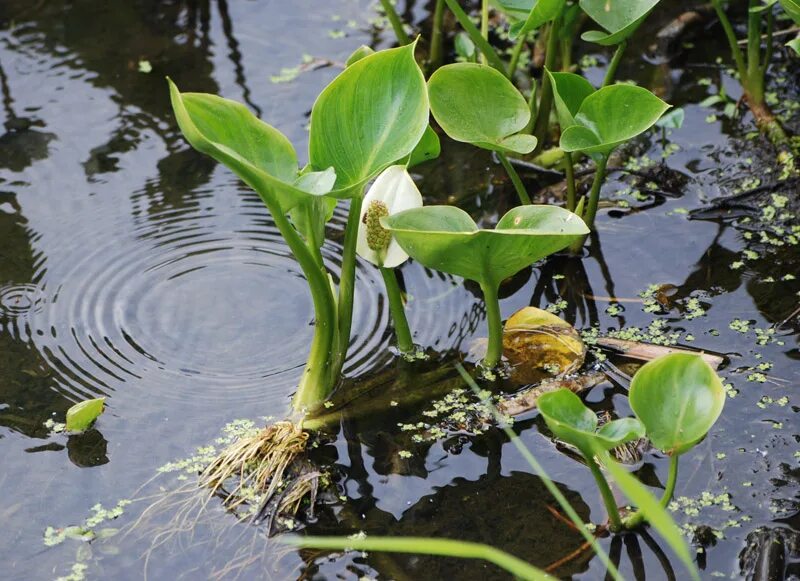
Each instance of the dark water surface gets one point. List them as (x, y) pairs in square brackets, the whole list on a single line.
[(133, 268)]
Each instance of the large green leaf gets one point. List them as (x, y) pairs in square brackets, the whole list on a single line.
[(541, 12), (650, 507), (792, 8), (611, 116), (83, 414), (569, 92), (370, 116), (446, 238), (678, 398), (257, 152), (574, 423), (477, 104), (620, 18)]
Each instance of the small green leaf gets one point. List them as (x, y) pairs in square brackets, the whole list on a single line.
[(678, 397), (311, 214), (516, 9), (370, 116), (651, 508), (476, 104), (569, 92), (611, 116), (358, 54), (446, 238), (571, 421), (427, 149), (83, 414), (792, 8), (541, 12), (464, 46), (673, 119), (620, 19), (795, 44)]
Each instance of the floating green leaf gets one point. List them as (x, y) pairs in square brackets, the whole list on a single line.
[(650, 507), (541, 12), (611, 116), (620, 18), (476, 104), (678, 398), (447, 239), (257, 152), (370, 116), (574, 423), (569, 92), (83, 414)]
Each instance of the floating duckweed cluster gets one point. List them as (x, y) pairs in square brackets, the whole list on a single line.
[(692, 508), (457, 411)]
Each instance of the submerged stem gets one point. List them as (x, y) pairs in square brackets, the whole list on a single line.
[(494, 350), (605, 491), (405, 342), (515, 179), (396, 22), (611, 71)]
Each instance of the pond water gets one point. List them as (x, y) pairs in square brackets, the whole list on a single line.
[(133, 268)]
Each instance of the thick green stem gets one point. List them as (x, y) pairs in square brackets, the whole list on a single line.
[(475, 35), (316, 382), (605, 492), (524, 198), (611, 71), (396, 22), (754, 81), (484, 25), (494, 350), (515, 54), (546, 99), (594, 195), (672, 478), (405, 343), (437, 36), (569, 169), (736, 52), (347, 284)]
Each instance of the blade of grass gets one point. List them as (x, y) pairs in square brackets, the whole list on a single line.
[(425, 546), (549, 484)]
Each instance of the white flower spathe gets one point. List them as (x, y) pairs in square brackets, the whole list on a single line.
[(393, 191)]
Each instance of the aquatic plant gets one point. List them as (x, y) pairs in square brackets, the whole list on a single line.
[(83, 414), (677, 398), (446, 238), (752, 64), (372, 116)]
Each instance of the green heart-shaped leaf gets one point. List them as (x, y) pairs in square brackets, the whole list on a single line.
[(620, 18), (611, 116), (373, 114), (678, 398), (569, 92), (256, 152), (83, 414), (446, 238), (541, 12), (574, 423), (477, 104)]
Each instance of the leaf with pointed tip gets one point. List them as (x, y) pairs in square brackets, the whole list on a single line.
[(571, 421), (569, 92), (542, 12), (611, 116), (678, 397), (83, 414), (446, 238), (255, 151), (620, 19), (427, 149), (476, 104), (795, 44), (373, 114)]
